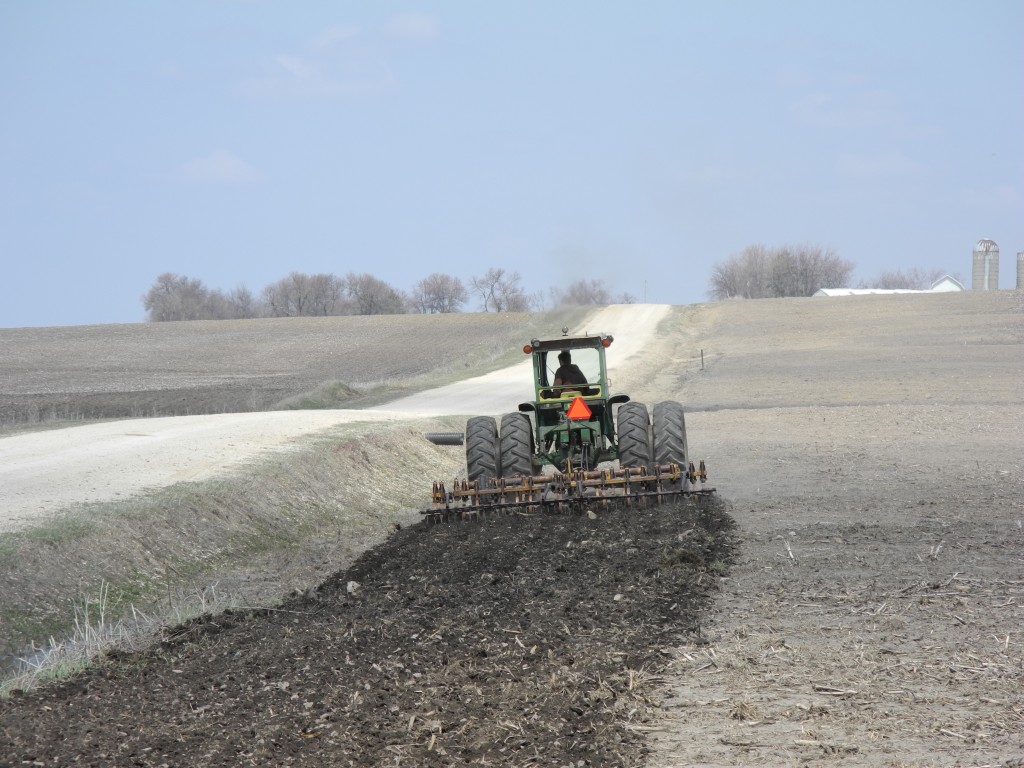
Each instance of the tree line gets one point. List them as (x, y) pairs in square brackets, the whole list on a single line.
[(179, 297), (760, 272), (756, 272)]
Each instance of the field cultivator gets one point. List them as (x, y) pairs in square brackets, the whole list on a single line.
[(573, 491)]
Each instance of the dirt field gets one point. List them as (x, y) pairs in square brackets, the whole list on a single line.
[(872, 454), (869, 450)]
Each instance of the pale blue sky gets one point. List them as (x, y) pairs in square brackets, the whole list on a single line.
[(236, 141)]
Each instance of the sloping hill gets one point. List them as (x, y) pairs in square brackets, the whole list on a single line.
[(869, 450)]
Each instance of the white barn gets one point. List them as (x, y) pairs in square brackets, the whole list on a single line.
[(944, 284), (947, 283)]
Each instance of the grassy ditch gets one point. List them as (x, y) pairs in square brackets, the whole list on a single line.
[(277, 526)]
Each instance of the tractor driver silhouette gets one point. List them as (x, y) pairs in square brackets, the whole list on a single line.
[(568, 372)]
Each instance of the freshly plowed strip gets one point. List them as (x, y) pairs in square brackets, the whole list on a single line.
[(517, 640)]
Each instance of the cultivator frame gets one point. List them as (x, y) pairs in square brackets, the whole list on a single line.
[(574, 490)]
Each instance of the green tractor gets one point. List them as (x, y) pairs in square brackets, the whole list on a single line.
[(574, 422)]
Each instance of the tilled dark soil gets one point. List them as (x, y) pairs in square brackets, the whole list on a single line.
[(518, 640)]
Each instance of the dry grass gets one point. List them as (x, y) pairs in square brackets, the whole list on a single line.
[(268, 530)]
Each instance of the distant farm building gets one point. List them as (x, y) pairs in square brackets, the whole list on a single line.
[(944, 284), (984, 275), (947, 283)]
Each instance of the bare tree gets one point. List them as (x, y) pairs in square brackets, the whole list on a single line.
[(792, 272), (369, 295), (286, 297), (915, 278), (742, 275), (326, 295), (485, 286), (300, 295), (582, 293), (241, 304), (438, 293), (758, 272), (177, 297), (238, 304), (500, 291), (821, 268)]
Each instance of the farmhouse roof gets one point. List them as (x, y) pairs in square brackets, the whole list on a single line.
[(944, 284), (947, 283), (861, 291)]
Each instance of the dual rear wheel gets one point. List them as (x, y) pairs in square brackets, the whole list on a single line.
[(644, 440), (489, 456)]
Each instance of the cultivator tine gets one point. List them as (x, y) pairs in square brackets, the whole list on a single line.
[(574, 490)]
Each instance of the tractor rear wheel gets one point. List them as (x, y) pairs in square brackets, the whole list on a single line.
[(516, 443), (634, 435), (482, 457), (670, 434), (670, 437)]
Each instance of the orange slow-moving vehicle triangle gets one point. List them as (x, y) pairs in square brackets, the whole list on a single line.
[(578, 410)]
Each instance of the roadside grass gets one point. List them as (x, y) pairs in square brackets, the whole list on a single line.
[(45, 425), (118, 575), (336, 394)]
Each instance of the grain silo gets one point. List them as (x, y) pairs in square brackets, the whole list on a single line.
[(985, 269), (1020, 270)]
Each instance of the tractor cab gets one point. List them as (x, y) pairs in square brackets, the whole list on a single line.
[(585, 362), (573, 423)]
